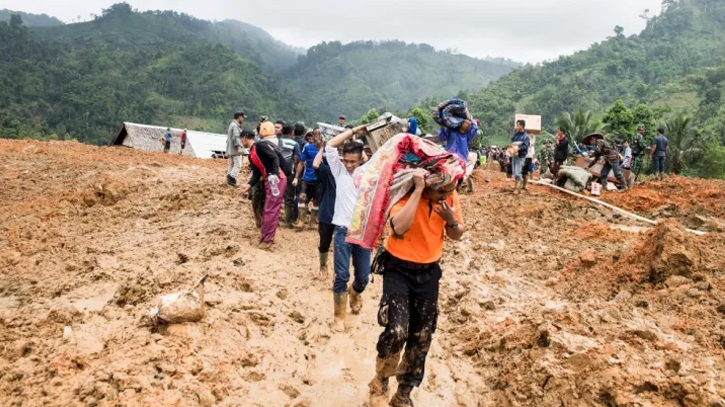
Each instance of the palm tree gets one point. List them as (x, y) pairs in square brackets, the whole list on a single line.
[(577, 126), (678, 132)]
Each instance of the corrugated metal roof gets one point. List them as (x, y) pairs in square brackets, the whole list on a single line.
[(145, 137)]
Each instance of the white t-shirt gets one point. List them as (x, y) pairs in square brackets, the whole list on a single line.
[(532, 152), (346, 192)]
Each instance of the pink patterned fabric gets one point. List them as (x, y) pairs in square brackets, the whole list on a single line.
[(388, 177)]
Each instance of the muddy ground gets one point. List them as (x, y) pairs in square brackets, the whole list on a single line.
[(548, 301)]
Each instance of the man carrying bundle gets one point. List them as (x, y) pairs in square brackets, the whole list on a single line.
[(419, 223)]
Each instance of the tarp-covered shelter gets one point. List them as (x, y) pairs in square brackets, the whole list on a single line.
[(149, 138)]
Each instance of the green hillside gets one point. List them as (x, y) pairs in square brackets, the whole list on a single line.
[(30, 20), (672, 64), (82, 80), (352, 78)]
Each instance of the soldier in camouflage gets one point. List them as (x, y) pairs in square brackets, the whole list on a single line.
[(547, 157), (638, 145)]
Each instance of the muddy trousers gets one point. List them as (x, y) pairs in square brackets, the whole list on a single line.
[(258, 194), (605, 173), (272, 207), (235, 164), (409, 313), (327, 232), (290, 207)]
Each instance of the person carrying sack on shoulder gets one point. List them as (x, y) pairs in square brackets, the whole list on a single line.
[(419, 224)]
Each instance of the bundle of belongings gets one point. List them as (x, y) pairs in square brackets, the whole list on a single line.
[(513, 149), (388, 177), (453, 114), (573, 178)]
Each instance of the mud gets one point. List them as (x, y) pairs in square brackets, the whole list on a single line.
[(547, 301)]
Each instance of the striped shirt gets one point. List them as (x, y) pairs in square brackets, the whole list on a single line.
[(346, 193)]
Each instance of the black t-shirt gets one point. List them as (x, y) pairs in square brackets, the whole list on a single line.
[(329, 189)]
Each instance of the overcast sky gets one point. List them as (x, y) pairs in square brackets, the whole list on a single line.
[(522, 30)]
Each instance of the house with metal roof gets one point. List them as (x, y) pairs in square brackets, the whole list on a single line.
[(150, 138)]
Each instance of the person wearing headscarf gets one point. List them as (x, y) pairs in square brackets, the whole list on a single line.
[(269, 167)]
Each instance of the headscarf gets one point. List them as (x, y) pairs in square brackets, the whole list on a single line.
[(266, 129)]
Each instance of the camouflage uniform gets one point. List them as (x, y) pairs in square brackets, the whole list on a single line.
[(546, 158), (638, 145)]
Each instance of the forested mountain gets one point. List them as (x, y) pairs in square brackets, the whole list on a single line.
[(349, 79), (31, 20), (83, 80), (676, 64)]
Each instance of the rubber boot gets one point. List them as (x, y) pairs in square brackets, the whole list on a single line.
[(323, 262), (402, 397), (356, 301), (470, 185), (379, 386), (340, 300), (525, 182), (517, 188)]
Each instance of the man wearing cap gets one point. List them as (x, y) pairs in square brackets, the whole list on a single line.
[(341, 121), (611, 156), (234, 148)]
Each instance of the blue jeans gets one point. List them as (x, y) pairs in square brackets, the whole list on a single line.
[(659, 164), (360, 261), (517, 165)]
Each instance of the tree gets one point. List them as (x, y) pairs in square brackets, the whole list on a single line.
[(619, 120), (579, 125), (678, 131), (369, 117), (644, 116), (619, 31)]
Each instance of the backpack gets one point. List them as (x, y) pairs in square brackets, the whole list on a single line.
[(284, 165)]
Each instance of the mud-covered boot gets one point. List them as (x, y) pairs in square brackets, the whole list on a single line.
[(402, 397), (340, 300), (470, 185), (323, 263), (356, 301), (525, 183), (517, 188), (379, 386)]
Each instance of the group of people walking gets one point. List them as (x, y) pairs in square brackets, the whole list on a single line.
[(410, 257)]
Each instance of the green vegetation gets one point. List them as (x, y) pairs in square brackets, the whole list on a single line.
[(349, 79), (30, 20), (81, 81), (675, 66)]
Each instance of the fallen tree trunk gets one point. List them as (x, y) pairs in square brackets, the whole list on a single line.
[(612, 207)]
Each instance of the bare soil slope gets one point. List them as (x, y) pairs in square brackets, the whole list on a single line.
[(548, 301)]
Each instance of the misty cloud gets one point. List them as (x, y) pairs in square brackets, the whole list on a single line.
[(523, 30)]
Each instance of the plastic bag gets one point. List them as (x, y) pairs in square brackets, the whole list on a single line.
[(183, 306)]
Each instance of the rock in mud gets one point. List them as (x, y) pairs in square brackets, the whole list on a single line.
[(674, 251), (588, 258)]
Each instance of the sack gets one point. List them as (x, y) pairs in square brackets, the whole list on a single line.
[(183, 306)]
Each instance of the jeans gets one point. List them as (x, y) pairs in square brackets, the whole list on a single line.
[(517, 165), (360, 262), (409, 313), (605, 173), (659, 164)]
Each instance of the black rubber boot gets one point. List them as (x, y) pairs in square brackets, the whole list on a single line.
[(402, 397)]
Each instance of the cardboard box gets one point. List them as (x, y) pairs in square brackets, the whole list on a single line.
[(533, 123)]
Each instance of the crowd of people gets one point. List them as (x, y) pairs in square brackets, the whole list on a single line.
[(290, 164), (628, 154), (292, 167)]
